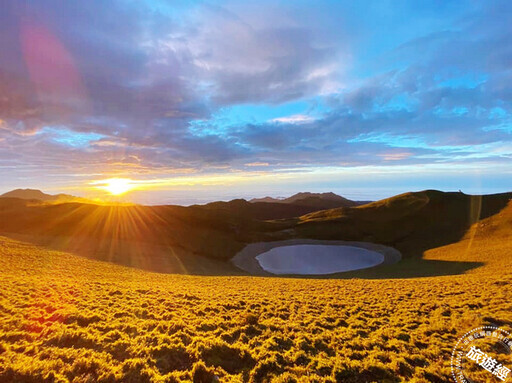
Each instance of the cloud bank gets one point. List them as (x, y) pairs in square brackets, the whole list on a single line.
[(156, 88)]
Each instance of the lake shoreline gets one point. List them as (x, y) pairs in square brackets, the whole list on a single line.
[(246, 258)]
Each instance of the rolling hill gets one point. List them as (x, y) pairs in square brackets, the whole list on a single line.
[(35, 194), (64, 318), (317, 201), (264, 210), (410, 222), (177, 239)]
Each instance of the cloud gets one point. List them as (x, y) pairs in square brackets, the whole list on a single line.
[(294, 119), (127, 85), (238, 62)]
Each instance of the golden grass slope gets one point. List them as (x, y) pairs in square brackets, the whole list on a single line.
[(64, 318), (411, 222)]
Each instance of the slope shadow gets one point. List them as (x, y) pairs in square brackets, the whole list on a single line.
[(413, 268), (411, 223), (167, 260), (148, 257)]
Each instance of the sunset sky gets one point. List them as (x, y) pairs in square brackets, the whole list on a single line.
[(197, 101)]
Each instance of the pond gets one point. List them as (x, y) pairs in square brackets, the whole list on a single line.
[(317, 259)]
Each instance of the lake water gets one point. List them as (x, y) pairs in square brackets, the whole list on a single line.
[(317, 259)]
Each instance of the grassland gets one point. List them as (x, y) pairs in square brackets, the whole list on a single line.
[(64, 318), (165, 237)]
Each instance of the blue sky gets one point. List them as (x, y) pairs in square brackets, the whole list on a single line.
[(223, 99)]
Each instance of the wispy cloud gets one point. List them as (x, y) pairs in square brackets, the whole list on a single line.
[(295, 119), (148, 90)]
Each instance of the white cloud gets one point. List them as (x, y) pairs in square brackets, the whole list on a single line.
[(294, 119)]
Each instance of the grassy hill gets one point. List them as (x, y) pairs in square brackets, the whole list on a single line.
[(38, 195), (64, 318), (200, 239), (410, 222), (261, 210), (103, 228)]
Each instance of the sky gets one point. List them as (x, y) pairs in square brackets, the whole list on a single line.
[(196, 101)]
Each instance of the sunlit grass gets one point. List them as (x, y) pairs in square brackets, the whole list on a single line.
[(64, 318), (68, 319)]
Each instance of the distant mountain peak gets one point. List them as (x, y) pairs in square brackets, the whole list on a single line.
[(27, 194), (324, 196), (36, 194), (325, 200)]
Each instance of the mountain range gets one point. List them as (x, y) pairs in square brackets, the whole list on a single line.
[(412, 223), (316, 200), (38, 195)]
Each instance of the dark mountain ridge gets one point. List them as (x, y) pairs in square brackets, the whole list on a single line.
[(35, 194), (321, 201), (410, 222)]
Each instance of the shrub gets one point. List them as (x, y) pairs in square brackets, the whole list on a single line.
[(203, 374), (232, 359), (135, 371), (265, 368), (172, 358), (251, 319)]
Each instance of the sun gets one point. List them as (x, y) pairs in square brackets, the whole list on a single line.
[(117, 186)]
